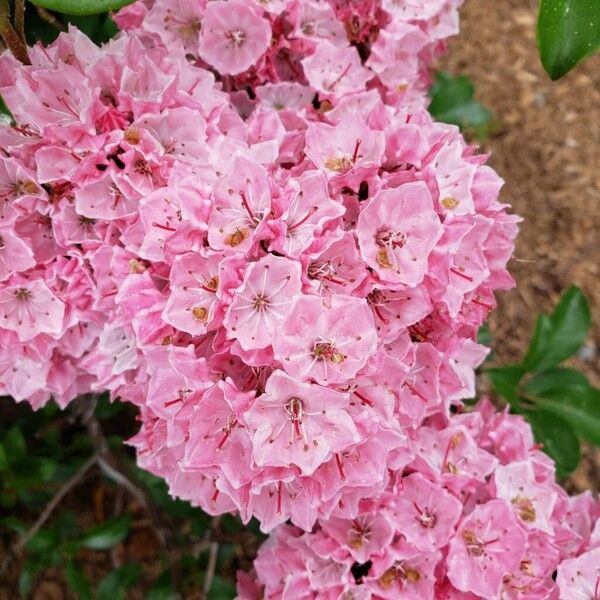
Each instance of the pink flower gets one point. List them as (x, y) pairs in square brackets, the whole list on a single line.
[(532, 502), (404, 572), (15, 255), (397, 231), (364, 537), (334, 70), (29, 308), (426, 514), (579, 578), (299, 424), (328, 340), (261, 304), (488, 545), (233, 36), (198, 284)]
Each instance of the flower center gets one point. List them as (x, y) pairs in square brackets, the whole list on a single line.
[(425, 518), (327, 351), (261, 302), (236, 36), (400, 572), (359, 533), (525, 508), (22, 294), (386, 238), (294, 409)]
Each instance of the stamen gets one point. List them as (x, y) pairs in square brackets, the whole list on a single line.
[(246, 206), (279, 497), (226, 432), (364, 398), (340, 467), (164, 227), (461, 274), (484, 304), (343, 74), (356, 147), (303, 220), (414, 391)]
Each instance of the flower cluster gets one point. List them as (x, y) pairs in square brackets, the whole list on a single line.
[(476, 514), (329, 46), (240, 217)]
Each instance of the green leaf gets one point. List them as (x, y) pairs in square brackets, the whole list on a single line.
[(452, 102), (107, 534), (14, 445), (505, 381), (115, 585), (4, 109), (559, 440), (484, 335), (77, 581), (221, 589), (27, 577), (43, 541), (3, 459), (567, 32), (568, 394), (163, 588), (82, 7), (559, 335)]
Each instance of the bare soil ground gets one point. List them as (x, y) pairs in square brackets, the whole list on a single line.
[(545, 143)]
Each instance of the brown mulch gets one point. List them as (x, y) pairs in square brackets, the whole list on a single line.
[(546, 145)]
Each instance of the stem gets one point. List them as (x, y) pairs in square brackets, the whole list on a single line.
[(12, 40), (20, 19)]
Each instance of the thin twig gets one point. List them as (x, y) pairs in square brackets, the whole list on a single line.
[(49, 509), (210, 568), (47, 16), (20, 19), (114, 467)]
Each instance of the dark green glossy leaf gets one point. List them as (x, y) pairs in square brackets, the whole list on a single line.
[(505, 381), (558, 438), (115, 585), (82, 7), (107, 534), (78, 582), (560, 334), (567, 31), (568, 394), (452, 101)]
